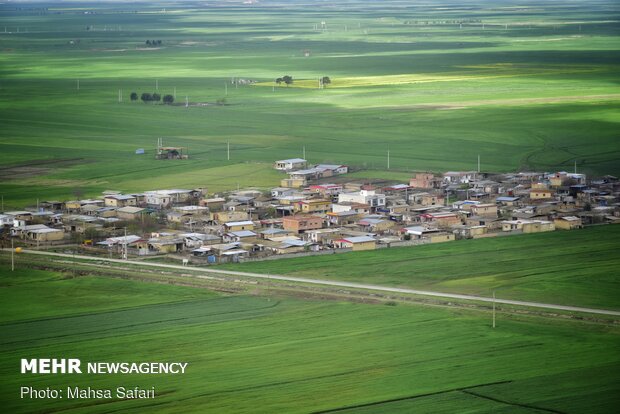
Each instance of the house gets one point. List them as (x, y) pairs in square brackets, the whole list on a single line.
[(343, 217), (130, 213), (213, 204), (194, 240), (166, 244), (423, 180), (163, 198), (441, 237), (281, 191), (459, 177), (484, 210), (512, 225), (426, 199), (375, 224), (335, 169), (314, 206), (274, 232), (238, 236), (356, 243), (239, 225), (568, 223), (358, 208), (119, 200), (178, 217), (538, 226), (290, 164), (302, 223), (507, 201), (134, 244), (420, 232), (365, 196), (42, 234), (541, 194), (323, 236), (6, 220), (310, 174), (293, 182), (471, 232), (442, 219), (326, 190), (222, 217)]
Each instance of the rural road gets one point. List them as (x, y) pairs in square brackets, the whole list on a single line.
[(337, 283)]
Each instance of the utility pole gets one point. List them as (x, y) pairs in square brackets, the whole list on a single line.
[(174, 93), (226, 88), (156, 84), (493, 309), (228, 150), (304, 152), (12, 256), (120, 95), (388, 159), (478, 163), (186, 102), (125, 245)]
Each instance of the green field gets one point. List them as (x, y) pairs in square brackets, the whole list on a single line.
[(536, 88), (254, 355), (571, 268)]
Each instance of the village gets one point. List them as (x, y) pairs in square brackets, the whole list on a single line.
[(314, 211)]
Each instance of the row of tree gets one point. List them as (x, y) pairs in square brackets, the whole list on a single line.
[(152, 97), (288, 80), (153, 42)]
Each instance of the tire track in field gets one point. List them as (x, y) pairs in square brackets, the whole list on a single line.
[(115, 328), (514, 404), (411, 397)]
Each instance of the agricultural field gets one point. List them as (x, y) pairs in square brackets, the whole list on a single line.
[(251, 354), (524, 86), (571, 268)]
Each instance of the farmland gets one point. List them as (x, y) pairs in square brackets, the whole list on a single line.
[(574, 268), (535, 88), (250, 354)]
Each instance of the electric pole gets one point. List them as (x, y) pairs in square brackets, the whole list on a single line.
[(494, 309)]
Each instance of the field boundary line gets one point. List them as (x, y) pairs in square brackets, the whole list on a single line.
[(338, 283)]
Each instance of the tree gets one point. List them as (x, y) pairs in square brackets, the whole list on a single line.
[(168, 99), (148, 43), (221, 101), (326, 80), (133, 96), (146, 97), (287, 79), (156, 97), (279, 81)]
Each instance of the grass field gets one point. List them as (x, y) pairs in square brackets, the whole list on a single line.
[(536, 88), (254, 355), (571, 268)]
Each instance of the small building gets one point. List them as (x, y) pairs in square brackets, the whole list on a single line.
[(45, 234), (238, 236), (442, 219), (538, 226), (484, 210), (302, 223), (232, 226), (507, 201), (119, 200), (357, 243), (130, 213), (214, 204), (293, 182), (423, 180), (541, 194), (290, 164), (314, 206), (568, 223)]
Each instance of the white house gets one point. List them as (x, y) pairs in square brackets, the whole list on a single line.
[(290, 164)]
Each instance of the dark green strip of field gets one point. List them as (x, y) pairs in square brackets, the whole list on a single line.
[(577, 268), (258, 355)]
